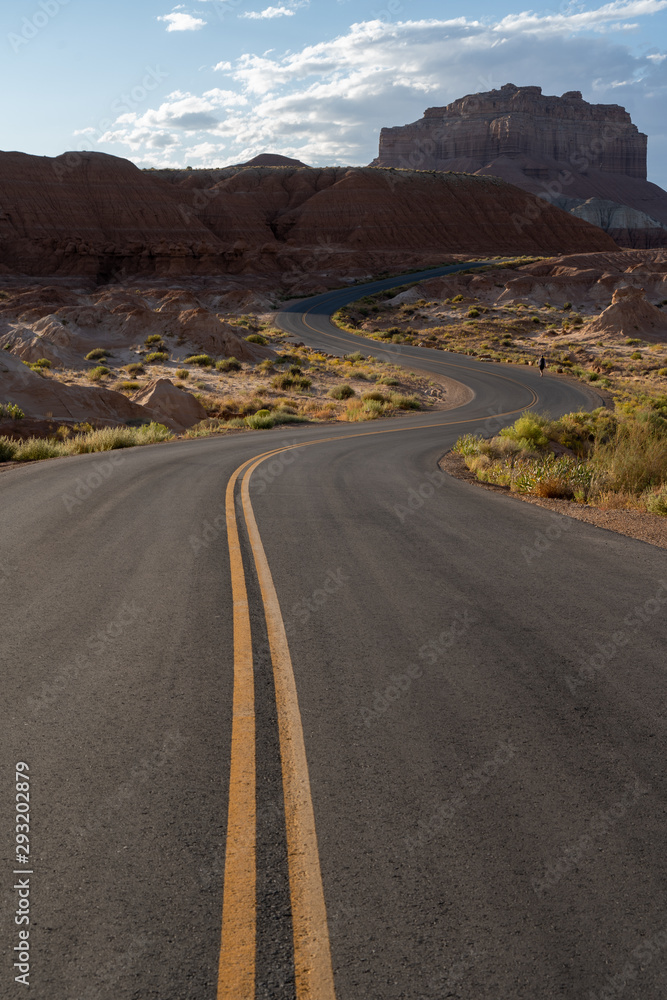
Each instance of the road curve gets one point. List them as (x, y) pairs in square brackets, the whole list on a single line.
[(424, 723)]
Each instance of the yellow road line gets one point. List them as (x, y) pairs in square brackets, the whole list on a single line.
[(236, 976), (312, 951), (236, 972)]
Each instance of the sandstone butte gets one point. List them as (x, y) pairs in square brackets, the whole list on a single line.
[(99, 216), (587, 158)]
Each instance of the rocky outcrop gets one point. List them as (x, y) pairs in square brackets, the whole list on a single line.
[(99, 216), (559, 148), (41, 397), (588, 282), (629, 315), (170, 405)]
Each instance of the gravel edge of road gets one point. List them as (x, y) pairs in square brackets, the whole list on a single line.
[(645, 527)]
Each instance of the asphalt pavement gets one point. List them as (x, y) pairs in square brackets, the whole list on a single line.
[(480, 692)]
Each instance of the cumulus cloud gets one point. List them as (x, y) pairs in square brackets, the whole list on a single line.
[(325, 103), (178, 21), (268, 12)]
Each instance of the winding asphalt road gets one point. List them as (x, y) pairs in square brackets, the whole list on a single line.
[(477, 685)]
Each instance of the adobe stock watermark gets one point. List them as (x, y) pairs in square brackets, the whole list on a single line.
[(430, 653), (91, 481), (640, 616), (126, 103), (263, 477), (444, 982), (32, 24), (599, 826), (641, 958), (96, 644), (143, 771), (472, 783), (544, 540)]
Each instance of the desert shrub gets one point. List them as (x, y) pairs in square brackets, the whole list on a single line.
[(355, 357), (136, 368), (388, 380), (228, 365), (35, 449), (656, 503), (468, 444), (203, 360), (156, 358), (154, 338), (260, 420), (636, 356), (283, 381), (266, 366), (405, 402), (529, 427), (256, 338), (128, 386), (7, 449), (377, 396), (457, 298), (98, 373), (341, 392), (634, 458), (472, 313), (10, 411), (40, 364), (98, 354), (567, 305), (182, 373), (294, 370)]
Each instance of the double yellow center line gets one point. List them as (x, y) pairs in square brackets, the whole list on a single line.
[(312, 950)]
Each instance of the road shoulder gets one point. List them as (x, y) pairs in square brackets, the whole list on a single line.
[(645, 527)]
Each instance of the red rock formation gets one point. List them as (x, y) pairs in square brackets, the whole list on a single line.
[(99, 216), (560, 148)]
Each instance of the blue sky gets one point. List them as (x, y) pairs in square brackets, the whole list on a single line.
[(218, 81)]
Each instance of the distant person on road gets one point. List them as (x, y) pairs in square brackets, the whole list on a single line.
[(542, 365)]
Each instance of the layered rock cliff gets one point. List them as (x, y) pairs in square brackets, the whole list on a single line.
[(560, 148), (100, 216)]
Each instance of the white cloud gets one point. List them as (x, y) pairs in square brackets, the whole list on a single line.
[(182, 22), (326, 102), (268, 12)]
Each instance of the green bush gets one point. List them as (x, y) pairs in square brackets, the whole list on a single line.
[(136, 368), (40, 364), (10, 411), (341, 392), (203, 360), (355, 357), (128, 386), (472, 313), (155, 338), (457, 298), (228, 365), (182, 373), (257, 338), (95, 374), (98, 354), (529, 427), (156, 358)]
